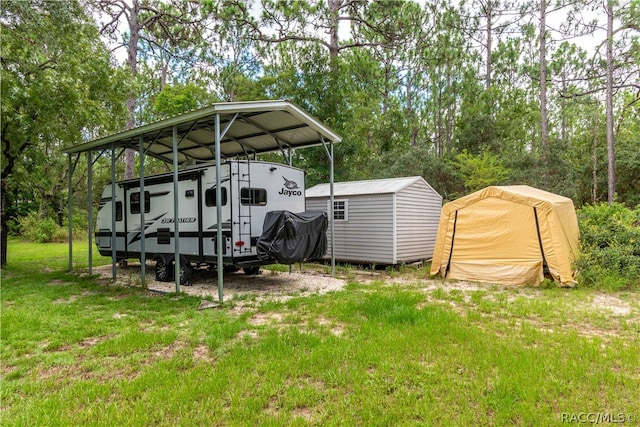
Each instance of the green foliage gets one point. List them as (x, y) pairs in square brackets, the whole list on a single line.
[(176, 99), (498, 119), (35, 228), (555, 176), (439, 172), (404, 87), (59, 87), (480, 171), (627, 153), (80, 224), (610, 246), (57, 78), (41, 230)]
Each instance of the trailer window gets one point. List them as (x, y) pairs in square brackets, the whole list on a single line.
[(134, 201), (340, 210), (118, 211), (253, 196), (210, 197)]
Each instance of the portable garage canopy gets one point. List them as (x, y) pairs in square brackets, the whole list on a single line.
[(507, 234), (218, 131)]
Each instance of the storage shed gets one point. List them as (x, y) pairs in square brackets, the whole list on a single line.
[(383, 221)]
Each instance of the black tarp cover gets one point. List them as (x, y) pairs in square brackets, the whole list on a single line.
[(289, 237)]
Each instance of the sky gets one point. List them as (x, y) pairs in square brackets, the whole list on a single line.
[(554, 20)]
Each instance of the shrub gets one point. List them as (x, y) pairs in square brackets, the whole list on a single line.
[(80, 224), (610, 246), (41, 230), (480, 171), (45, 230)]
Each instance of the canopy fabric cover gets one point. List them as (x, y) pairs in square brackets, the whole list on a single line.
[(289, 237), (505, 234)]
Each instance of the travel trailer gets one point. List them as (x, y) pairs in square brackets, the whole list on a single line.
[(249, 190)]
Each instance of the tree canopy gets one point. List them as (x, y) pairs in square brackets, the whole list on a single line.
[(59, 88), (463, 93)]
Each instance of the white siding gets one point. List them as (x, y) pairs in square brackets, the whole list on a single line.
[(369, 234), (418, 212)]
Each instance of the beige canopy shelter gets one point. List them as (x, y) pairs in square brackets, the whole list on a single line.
[(508, 234)]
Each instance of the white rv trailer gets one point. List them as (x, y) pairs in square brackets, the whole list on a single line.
[(249, 189)]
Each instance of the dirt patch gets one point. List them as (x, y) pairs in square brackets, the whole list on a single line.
[(303, 412), (265, 318), (616, 306), (71, 299), (278, 286), (202, 353), (247, 292), (90, 342), (335, 328)]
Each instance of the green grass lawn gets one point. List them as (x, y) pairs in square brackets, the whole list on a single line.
[(80, 351)]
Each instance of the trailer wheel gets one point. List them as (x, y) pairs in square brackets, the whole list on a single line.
[(186, 272), (252, 271), (164, 270), (230, 268)]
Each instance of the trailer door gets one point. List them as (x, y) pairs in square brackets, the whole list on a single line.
[(209, 213)]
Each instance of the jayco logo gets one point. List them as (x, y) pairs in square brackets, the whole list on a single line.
[(290, 185), (290, 188)]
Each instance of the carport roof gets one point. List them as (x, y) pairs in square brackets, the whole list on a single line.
[(253, 127)]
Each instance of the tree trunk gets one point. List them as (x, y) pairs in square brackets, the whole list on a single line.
[(544, 129), (132, 62), (563, 110), (489, 15), (9, 161), (411, 115), (439, 120), (334, 41), (611, 176), (594, 171)]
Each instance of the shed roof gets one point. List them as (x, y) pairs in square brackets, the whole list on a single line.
[(253, 127), (371, 186)]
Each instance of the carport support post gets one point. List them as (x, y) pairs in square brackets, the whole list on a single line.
[(331, 219), (113, 213), (70, 183), (176, 222), (89, 207), (143, 208), (219, 213)]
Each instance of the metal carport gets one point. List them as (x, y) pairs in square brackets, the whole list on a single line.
[(221, 130)]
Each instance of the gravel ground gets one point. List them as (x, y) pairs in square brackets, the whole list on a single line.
[(273, 284)]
